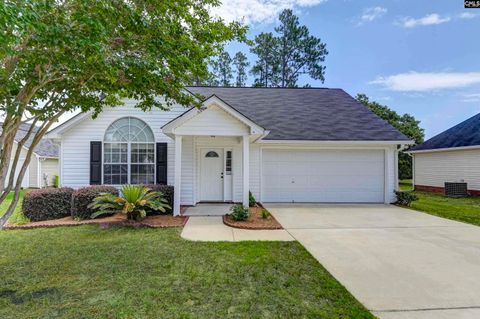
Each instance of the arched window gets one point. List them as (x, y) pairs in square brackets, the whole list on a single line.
[(211, 154), (128, 153)]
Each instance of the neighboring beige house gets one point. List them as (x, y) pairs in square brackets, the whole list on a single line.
[(43, 165), (452, 156)]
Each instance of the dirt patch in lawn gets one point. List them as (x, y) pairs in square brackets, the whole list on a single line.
[(255, 221), (117, 220)]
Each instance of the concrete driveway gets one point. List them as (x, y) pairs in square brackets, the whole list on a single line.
[(397, 262)]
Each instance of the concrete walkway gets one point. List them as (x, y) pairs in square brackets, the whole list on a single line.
[(397, 262), (206, 209), (212, 228)]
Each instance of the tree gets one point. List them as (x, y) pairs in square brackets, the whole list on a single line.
[(59, 56), (292, 53), (298, 51), (241, 64), (266, 66), (222, 70), (406, 123)]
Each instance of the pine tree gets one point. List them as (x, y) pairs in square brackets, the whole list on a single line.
[(283, 58), (222, 70), (266, 65), (241, 64)]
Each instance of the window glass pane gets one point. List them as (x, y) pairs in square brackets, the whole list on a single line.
[(118, 136), (142, 174), (142, 153), (115, 174), (129, 129), (228, 163), (211, 154)]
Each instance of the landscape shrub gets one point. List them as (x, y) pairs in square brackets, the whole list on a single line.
[(265, 213), (252, 202), (83, 197), (134, 201), (47, 203), (405, 198), (239, 213), (167, 192)]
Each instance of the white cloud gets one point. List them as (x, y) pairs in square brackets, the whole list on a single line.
[(424, 82), (467, 15), (371, 14), (429, 19), (258, 11), (471, 97)]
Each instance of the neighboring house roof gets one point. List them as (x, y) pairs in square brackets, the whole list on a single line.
[(306, 113), (465, 134), (45, 147)]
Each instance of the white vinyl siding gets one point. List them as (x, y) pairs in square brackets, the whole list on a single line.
[(28, 179), (76, 142), (212, 121), (187, 196), (255, 173), (306, 175), (436, 168)]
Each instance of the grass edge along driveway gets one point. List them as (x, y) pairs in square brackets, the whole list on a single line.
[(465, 210), (153, 273)]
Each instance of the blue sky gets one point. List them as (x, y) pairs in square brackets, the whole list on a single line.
[(418, 57)]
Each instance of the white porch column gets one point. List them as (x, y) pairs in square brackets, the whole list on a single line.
[(246, 169), (178, 175)]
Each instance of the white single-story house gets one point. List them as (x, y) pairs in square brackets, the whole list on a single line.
[(43, 165), (451, 156), (283, 145)]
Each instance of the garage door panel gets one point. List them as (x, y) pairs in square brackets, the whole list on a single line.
[(323, 175)]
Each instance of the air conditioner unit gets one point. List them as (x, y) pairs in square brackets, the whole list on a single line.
[(456, 189)]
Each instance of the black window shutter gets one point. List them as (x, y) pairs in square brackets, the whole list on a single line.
[(161, 177), (95, 163)]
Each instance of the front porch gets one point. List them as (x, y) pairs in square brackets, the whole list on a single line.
[(211, 155), (211, 170)]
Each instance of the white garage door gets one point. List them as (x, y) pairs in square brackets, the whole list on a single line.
[(335, 176)]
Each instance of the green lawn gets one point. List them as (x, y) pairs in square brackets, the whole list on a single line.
[(17, 217), (86, 272), (461, 209)]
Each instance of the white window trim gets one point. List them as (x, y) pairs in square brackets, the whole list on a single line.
[(129, 154)]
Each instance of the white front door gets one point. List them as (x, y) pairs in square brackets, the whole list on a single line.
[(211, 179)]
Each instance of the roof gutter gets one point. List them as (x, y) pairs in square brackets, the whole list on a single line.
[(446, 149), (333, 142)]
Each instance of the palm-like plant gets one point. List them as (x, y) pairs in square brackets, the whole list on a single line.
[(134, 201)]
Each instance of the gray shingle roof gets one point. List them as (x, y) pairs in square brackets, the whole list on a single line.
[(464, 134), (306, 113), (44, 148)]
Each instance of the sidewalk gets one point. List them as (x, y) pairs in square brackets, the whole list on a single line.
[(212, 228)]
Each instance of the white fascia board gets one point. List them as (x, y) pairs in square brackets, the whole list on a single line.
[(169, 128), (336, 142), (214, 100), (62, 128), (449, 149)]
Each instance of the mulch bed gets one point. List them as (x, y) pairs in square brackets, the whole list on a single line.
[(117, 220), (255, 221)]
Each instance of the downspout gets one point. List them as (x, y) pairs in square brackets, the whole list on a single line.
[(413, 169), (397, 152)]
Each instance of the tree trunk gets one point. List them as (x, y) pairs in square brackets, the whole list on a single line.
[(13, 169), (38, 136)]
